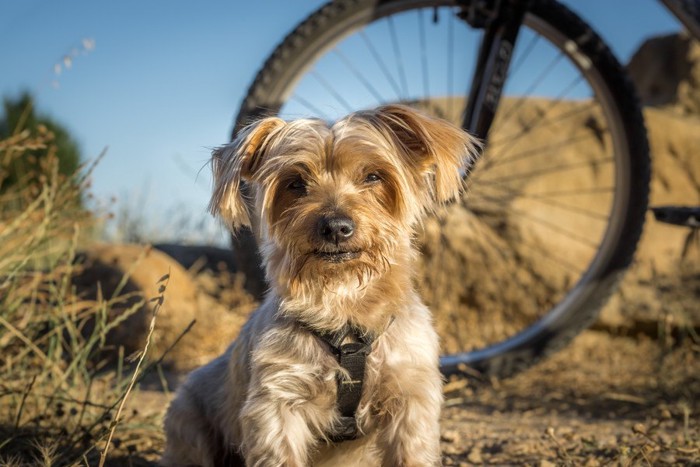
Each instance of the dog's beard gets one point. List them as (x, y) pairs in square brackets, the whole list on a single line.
[(327, 294), (312, 272), (326, 271)]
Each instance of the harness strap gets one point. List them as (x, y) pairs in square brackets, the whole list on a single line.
[(352, 357)]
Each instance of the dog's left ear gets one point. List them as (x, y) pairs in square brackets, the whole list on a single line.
[(237, 162), (433, 146)]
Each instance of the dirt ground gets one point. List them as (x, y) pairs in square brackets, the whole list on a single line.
[(623, 393), (605, 400), (622, 396)]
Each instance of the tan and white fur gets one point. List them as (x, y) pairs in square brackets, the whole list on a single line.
[(270, 399)]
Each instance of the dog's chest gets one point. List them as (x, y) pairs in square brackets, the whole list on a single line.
[(354, 374)]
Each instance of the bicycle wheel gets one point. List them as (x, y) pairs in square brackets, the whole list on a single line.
[(556, 204)]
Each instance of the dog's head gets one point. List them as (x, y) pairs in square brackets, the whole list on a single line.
[(337, 205)]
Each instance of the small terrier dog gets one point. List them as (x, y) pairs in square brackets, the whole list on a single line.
[(334, 211)]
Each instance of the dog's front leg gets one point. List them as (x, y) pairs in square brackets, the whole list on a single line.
[(280, 421), (274, 434), (410, 431)]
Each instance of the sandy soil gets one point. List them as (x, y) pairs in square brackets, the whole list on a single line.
[(605, 400), (618, 395)]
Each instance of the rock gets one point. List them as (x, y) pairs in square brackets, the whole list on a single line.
[(666, 72), (639, 428), (449, 436), (199, 256), (135, 273), (475, 456)]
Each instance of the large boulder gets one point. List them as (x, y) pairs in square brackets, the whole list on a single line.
[(666, 72), (131, 278)]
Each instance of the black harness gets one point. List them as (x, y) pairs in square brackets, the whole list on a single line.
[(352, 357)]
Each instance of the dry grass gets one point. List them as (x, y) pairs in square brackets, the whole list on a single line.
[(58, 391)]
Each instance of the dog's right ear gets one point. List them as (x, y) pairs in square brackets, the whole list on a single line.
[(237, 162)]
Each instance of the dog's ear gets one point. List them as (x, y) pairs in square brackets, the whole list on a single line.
[(432, 146), (237, 162)]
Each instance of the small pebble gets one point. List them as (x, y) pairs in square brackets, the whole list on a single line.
[(639, 429), (475, 456), (449, 436)]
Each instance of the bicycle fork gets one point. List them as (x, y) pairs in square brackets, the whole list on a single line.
[(501, 21)]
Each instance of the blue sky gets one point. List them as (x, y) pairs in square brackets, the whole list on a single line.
[(165, 79)]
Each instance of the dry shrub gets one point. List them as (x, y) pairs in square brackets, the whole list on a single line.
[(58, 398)]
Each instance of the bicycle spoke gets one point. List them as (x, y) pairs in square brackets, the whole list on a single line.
[(331, 90), (372, 90), (544, 123), (505, 196), (560, 193), (550, 120), (524, 56), (554, 228), (397, 54), (309, 106), (538, 80), (563, 262), (382, 65), (548, 170), (545, 149), (510, 194), (424, 54), (450, 66)]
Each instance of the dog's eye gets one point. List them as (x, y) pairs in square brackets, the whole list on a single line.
[(298, 185), (372, 178)]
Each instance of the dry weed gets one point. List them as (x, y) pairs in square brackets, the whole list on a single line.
[(58, 392)]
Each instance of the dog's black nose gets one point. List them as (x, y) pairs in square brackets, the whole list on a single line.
[(337, 229)]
